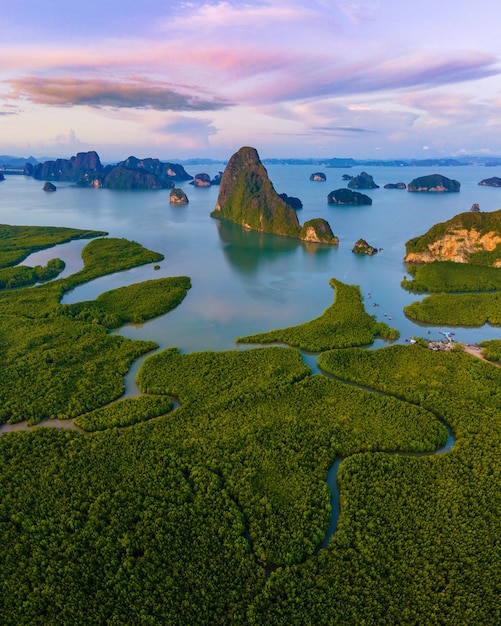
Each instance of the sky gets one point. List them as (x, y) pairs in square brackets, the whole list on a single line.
[(292, 78)]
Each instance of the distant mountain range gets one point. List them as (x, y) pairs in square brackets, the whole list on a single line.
[(15, 162)]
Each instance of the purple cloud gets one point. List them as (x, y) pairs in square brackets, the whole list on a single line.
[(98, 93), (336, 79)]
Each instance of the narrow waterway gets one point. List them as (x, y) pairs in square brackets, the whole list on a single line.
[(332, 480)]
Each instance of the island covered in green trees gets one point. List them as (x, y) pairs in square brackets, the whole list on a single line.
[(204, 500), (459, 263)]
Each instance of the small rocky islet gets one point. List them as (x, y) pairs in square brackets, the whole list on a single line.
[(347, 196), (178, 196), (362, 247)]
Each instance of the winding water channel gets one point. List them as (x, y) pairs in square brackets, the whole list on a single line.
[(132, 390)]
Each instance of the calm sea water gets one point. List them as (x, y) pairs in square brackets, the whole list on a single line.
[(245, 282)]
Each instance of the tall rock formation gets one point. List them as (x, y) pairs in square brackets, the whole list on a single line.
[(247, 197)]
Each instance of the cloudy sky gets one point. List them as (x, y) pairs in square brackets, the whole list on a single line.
[(293, 78)]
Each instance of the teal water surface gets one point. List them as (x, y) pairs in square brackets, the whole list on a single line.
[(247, 282)]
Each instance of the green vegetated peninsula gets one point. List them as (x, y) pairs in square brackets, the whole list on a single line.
[(453, 258), (343, 324), (247, 197)]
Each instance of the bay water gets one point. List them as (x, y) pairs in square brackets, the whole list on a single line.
[(246, 282)]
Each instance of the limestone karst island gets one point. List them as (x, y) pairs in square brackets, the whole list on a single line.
[(247, 197)]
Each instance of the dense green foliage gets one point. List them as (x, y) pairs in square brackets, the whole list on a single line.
[(65, 352), (72, 367), (457, 309), (203, 498), (125, 412), (134, 303), (443, 279), (200, 375), (343, 324), (17, 242), (482, 222), (449, 277), (491, 350), (215, 512), (321, 229), (110, 255), (23, 275)]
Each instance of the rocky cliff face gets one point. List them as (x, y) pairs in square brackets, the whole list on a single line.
[(165, 172), (318, 177), (457, 246), (247, 197), (434, 183), (458, 239), (134, 173), (177, 196)]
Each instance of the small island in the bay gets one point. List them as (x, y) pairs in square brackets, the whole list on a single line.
[(435, 183), (494, 181), (49, 187), (293, 202), (178, 196), (363, 181), (471, 237), (362, 247), (247, 197), (395, 186), (347, 196), (201, 180), (318, 177)]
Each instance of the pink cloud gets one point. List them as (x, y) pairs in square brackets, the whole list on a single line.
[(225, 15)]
